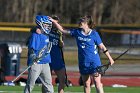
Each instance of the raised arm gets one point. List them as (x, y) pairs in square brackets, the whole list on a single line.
[(59, 26)]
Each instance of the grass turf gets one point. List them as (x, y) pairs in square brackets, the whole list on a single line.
[(71, 58), (73, 89)]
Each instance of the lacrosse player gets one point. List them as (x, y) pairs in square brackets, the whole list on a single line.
[(57, 61), (57, 64), (87, 40), (36, 49)]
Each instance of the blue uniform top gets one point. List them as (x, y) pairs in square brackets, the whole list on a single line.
[(57, 62), (37, 42), (87, 46)]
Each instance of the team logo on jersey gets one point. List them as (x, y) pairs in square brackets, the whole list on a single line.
[(53, 35), (84, 39)]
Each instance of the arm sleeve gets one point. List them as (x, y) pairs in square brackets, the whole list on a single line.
[(72, 32), (34, 42), (97, 38)]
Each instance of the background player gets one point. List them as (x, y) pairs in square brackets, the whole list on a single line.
[(57, 61)]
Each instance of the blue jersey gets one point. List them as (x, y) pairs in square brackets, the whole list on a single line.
[(87, 49), (57, 62), (37, 42)]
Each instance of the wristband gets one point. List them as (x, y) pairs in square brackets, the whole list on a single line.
[(105, 51)]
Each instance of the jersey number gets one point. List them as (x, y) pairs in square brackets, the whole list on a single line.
[(55, 42)]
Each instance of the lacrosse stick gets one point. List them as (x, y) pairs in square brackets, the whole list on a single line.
[(43, 53), (102, 69)]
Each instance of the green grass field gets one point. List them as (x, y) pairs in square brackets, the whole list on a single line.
[(37, 89), (71, 58)]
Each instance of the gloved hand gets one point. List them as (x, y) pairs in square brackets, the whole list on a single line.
[(61, 44), (36, 60), (33, 58)]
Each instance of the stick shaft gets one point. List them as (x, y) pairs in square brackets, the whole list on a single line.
[(122, 54), (21, 74)]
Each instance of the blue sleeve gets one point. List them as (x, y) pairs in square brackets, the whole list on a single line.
[(72, 32), (98, 40), (34, 42)]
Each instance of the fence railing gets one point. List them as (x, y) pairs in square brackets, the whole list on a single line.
[(112, 35)]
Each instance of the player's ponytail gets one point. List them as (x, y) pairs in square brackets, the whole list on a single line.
[(90, 21)]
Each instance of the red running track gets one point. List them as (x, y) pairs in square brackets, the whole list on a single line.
[(109, 80)]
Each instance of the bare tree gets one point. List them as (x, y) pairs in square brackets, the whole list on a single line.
[(103, 11)]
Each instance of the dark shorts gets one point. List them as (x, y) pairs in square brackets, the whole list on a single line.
[(57, 65), (88, 67)]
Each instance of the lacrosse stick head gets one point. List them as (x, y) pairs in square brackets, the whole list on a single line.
[(102, 69), (45, 49), (44, 52), (43, 23), (49, 47)]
